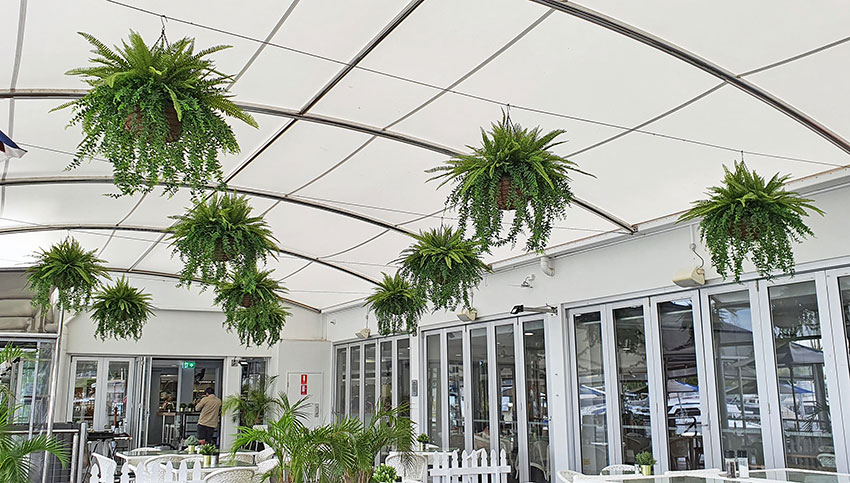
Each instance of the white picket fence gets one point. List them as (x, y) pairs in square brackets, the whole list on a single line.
[(160, 474), (473, 467)]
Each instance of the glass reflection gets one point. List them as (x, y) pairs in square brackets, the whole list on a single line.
[(386, 374), (803, 397), (454, 350), (435, 421), (116, 394), (591, 392), (735, 369), (341, 361), (369, 374), (635, 425), (534, 340), (85, 381), (403, 376), (480, 389), (354, 397), (679, 366), (506, 378)]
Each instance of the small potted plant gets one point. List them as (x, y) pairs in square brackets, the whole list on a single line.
[(513, 169), (121, 311), (385, 474), (423, 440), (71, 270), (157, 113), (209, 452), (444, 266), (190, 443), (396, 305), (220, 234), (748, 216), (252, 302), (645, 461)]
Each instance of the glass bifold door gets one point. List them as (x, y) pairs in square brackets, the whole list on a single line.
[(100, 393), (485, 388), (760, 367)]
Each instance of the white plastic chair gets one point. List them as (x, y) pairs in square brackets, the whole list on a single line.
[(241, 457), (265, 454), (826, 460), (619, 470), (152, 464), (264, 468), (413, 469), (230, 475), (568, 476), (107, 468)]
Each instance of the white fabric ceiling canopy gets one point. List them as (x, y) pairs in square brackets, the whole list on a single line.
[(653, 128)]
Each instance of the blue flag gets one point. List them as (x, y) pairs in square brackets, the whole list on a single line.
[(8, 148)]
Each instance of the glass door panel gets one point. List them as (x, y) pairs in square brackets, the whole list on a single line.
[(454, 351), (386, 384), (341, 360), (537, 403), (680, 379), (803, 396), (480, 389), (590, 372), (354, 378), (84, 392), (434, 400), (403, 375), (635, 425), (506, 379), (117, 378), (369, 374), (735, 372)]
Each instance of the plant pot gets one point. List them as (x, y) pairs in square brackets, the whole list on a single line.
[(247, 300), (221, 254), (190, 449), (646, 470), (421, 446), (214, 460), (503, 200), (743, 231), (207, 461), (135, 122)]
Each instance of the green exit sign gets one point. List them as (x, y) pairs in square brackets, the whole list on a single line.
[(188, 364)]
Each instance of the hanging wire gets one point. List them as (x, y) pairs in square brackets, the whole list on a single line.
[(162, 38), (508, 114)]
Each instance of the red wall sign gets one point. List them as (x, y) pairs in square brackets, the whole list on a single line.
[(303, 389), (303, 378)]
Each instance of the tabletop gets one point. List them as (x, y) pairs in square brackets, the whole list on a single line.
[(717, 476)]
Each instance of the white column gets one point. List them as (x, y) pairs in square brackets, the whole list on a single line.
[(556, 386), (231, 377)]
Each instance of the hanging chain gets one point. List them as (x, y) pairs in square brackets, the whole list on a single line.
[(162, 38), (508, 114)]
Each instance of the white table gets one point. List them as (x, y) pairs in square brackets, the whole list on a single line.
[(718, 476)]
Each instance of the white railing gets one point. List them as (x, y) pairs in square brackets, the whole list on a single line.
[(159, 474), (473, 467)]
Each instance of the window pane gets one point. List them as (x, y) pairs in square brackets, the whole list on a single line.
[(735, 367), (403, 376), (435, 421), (85, 381), (341, 360), (506, 373), (480, 389), (369, 383), (354, 399), (679, 366), (803, 398), (454, 349), (534, 339), (118, 373), (635, 426), (591, 392), (387, 373)]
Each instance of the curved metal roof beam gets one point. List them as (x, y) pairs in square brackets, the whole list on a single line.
[(153, 229), (705, 65), (70, 94), (48, 180)]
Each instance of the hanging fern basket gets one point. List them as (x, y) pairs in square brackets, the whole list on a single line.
[(503, 197), (223, 248), (135, 122), (247, 300), (744, 230)]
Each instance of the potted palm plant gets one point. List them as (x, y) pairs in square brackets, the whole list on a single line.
[(254, 404), (444, 266), (385, 474), (387, 429), (156, 113), (252, 302), (645, 460), (750, 217), (217, 234), (513, 169), (69, 269), (121, 311), (396, 305)]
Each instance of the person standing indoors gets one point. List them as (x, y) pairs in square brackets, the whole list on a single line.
[(210, 408)]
